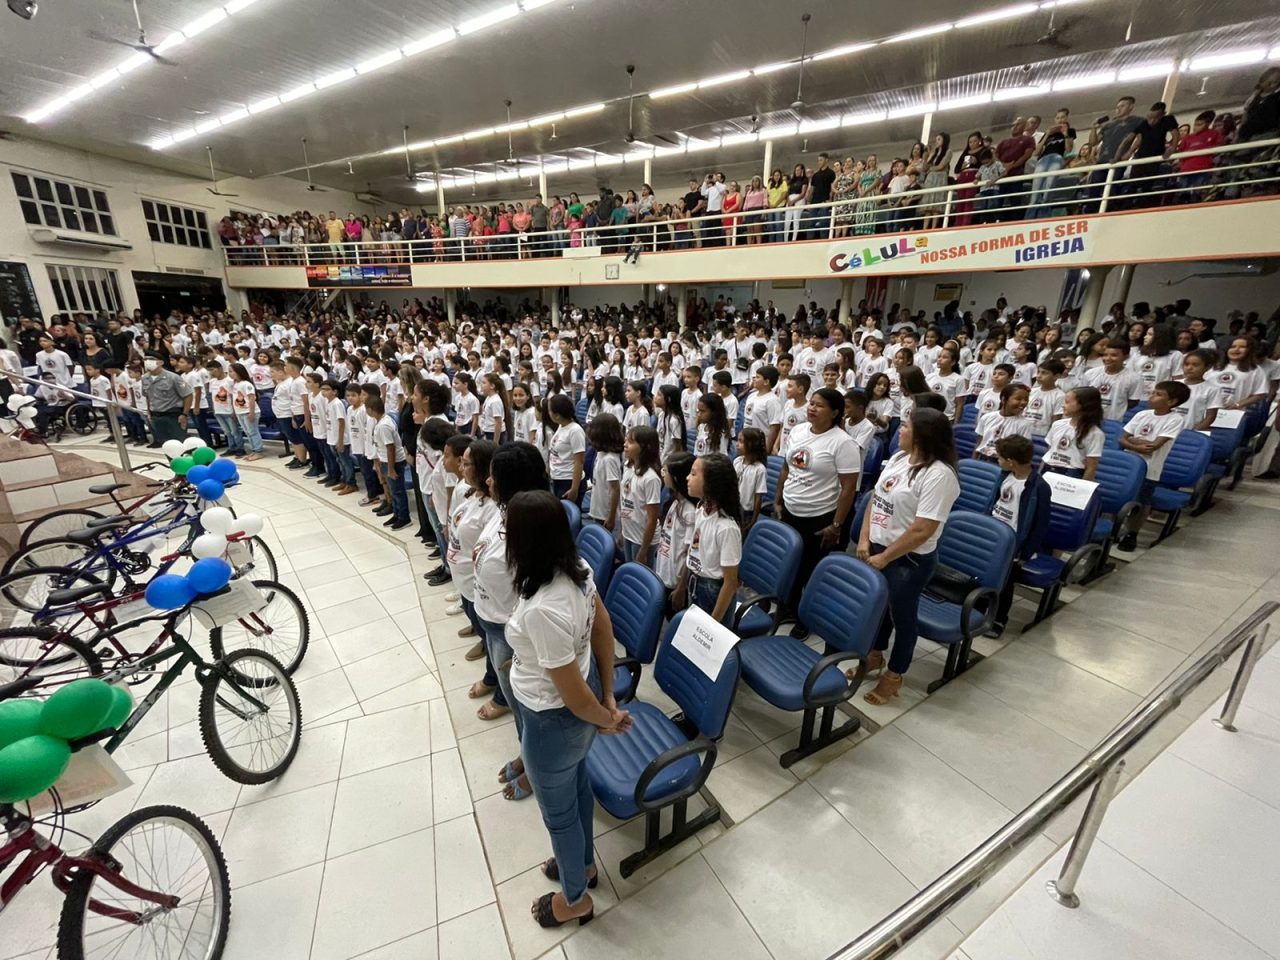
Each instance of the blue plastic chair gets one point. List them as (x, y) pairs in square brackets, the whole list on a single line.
[(1183, 478), (969, 415), (1134, 410), (635, 603), (981, 546), (575, 517), (1112, 429), (872, 463), (772, 471), (1119, 477), (580, 410), (770, 559), (597, 547), (656, 763), (1230, 453), (1039, 447), (267, 425), (691, 439), (843, 603), (979, 486), (966, 439), (1070, 533)]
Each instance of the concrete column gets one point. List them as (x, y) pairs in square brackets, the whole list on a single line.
[(451, 306), (1124, 280), (555, 306), (926, 128), (1093, 296), (440, 208), (542, 185), (682, 306), (1170, 90), (768, 159), (348, 306), (648, 171), (646, 290), (846, 300)]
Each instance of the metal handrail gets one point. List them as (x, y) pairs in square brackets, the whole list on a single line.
[(374, 251), (1099, 768), (112, 405)]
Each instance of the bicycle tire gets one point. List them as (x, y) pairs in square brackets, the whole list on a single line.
[(59, 552), (264, 561), (289, 652), (16, 663), (269, 684), (54, 520), (22, 598), (75, 934)]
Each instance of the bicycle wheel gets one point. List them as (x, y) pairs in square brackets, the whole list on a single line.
[(255, 557), (80, 418), (281, 628), (164, 850), (44, 652), (24, 595), (61, 552), (250, 717), (56, 525)]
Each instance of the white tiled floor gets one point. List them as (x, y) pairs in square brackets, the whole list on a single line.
[(388, 838)]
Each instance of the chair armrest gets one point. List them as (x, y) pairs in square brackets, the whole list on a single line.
[(1121, 522), (765, 599), (667, 758), (1081, 562), (832, 660), (971, 602), (632, 666)]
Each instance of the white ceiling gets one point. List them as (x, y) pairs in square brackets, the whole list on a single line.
[(559, 56)]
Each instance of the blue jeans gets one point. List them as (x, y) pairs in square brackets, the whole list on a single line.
[(330, 457), (907, 577), (230, 429), (554, 745), (704, 592), (439, 532), (134, 426), (399, 497), (346, 467), (1044, 199), (250, 430), (631, 554), (372, 485), (497, 652)]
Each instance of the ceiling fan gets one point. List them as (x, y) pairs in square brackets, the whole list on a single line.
[(798, 103), (213, 178), (1053, 36), (141, 44), (307, 163)]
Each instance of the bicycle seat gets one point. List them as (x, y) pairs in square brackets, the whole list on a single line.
[(92, 533), (104, 488), (69, 595), (99, 521)]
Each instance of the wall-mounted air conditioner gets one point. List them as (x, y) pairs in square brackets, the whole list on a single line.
[(76, 239)]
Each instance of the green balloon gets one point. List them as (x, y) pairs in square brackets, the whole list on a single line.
[(19, 719), (181, 465), (31, 766), (77, 710), (204, 455), (120, 710)]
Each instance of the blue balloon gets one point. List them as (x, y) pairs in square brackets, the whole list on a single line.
[(209, 575), (197, 475), (210, 489), (169, 592), (222, 470)]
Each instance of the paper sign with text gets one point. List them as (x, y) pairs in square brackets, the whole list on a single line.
[(704, 641), (1070, 491), (1228, 419)]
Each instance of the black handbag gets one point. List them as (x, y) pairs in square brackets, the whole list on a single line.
[(950, 585)]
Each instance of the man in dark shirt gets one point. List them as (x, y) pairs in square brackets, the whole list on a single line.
[(539, 215), (695, 205), (1156, 136), (119, 341), (1014, 151), (27, 340), (819, 222)]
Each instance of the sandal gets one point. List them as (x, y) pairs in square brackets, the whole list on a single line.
[(874, 664), (491, 711), (509, 773), (885, 689), (478, 690), (514, 791), (544, 913), (551, 870)]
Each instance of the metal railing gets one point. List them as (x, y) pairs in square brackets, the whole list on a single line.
[(1101, 769), (1045, 194), (112, 407)]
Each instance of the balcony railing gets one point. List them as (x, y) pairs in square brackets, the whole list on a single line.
[(1238, 170)]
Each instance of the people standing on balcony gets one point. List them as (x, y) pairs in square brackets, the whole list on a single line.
[(1155, 136), (756, 199), (934, 174), (1195, 172), (777, 190), (695, 204), (843, 192), (1013, 152), (864, 219), (732, 203), (713, 192), (818, 222), (1050, 156), (798, 188), (539, 223)]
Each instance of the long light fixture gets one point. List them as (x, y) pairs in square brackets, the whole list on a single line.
[(1084, 81), (994, 16), (546, 119), (1232, 58), (1145, 71)]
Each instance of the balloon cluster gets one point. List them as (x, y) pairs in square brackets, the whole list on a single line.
[(23, 408), (210, 573), (194, 459), (33, 734)]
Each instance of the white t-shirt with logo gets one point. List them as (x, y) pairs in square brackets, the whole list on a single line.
[(1234, 384), (548, 630), (1043, 407), (465, 407), (762, 412), (792, 417), (1149, 425), (568, 440), (1204, 397), (946, 387), (638, 493), (675, 534), (468, 516), (716, 544), (899, 500), (1009, 501), (495, 592), (815, 463), (244, 398), (607, 472), (220, 394), (992, 427), (1064, 453), (1117, 390), (752, 481)]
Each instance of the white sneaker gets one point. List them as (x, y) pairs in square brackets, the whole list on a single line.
[(453, 610), (452, 598)]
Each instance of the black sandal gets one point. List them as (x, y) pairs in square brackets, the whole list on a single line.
[(551, 870), (543, 913)]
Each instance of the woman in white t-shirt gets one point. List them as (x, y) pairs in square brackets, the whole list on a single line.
[(562, 681), (899, 536), (716, 548)]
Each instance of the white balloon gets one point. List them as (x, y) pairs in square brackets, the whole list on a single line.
[(217, 520), (173, 449), (27, 416), (250, 525), (192, 443), (208, 545), (6, 425), (15, 401)]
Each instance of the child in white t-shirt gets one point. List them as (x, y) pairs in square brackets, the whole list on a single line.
[(677, 521), (641, 495), (220, 388), (1150, 434), (716, 548), (606, 437), (795, 410), (1005, 422), (749, 465), (1044, 405), (1201, 408), (856, 424)]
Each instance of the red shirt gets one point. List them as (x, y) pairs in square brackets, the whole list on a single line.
[(1011, 149), (1206, 139)]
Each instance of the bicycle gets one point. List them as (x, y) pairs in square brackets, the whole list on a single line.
[(155, 878), (58, 523)]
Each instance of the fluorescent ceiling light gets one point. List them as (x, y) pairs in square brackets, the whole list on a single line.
[(1146, 70), (416, 145), (606, 161), (530, 5), (583, 110), (813, 126), (513, 125), (201, 24), (182, 135), (429, 42), (1275, 53), (132, 63), (1003, 13), (231, 116), (262, 106), (208, 125), (1234, 58), (235, 6), (102, 79), (445, 141), (858, 119), (505, 12), (423, 187), (582, 163), (1018, 93), (735, 139), (644, 153), (723, 78), (779, 130), (174, 39), (381, 60), (675, 151), (841, 51), (960, 102), (48, 110), (760, 71), (550, 168), (693, 146), (79, 93), (338, 76), (920, 32), (915, 110), (478, 134), (297, 92), (1085, 81), (161, 143), (672, 90), (545, 119)]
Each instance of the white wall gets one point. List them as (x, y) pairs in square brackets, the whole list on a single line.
[(125, 185)]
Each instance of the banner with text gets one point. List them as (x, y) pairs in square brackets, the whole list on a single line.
[(346, 276), (996, 247)]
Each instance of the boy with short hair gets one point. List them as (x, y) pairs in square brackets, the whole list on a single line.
[(764, 407), (101, 389), (784, 363), (1150, 434), (722, 387), (1024, 504), (314, 423), (856, 425), (376, 493), (220, 389), (333, 431), (1045, 403), (989, 399), (796, 410), (1120, 387), (690, 396), (389, 452)]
